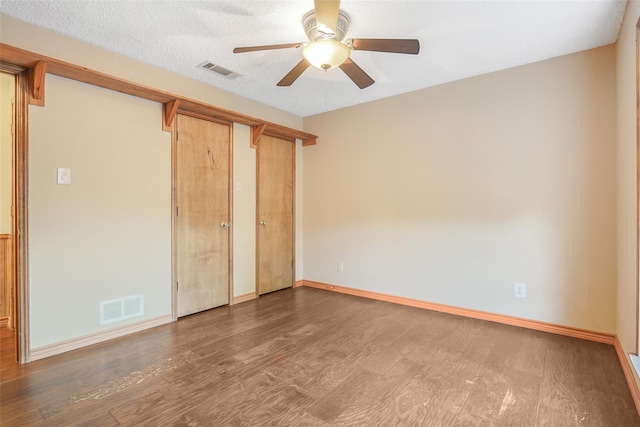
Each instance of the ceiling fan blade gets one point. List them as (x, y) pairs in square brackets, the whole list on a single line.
[(410, 46), (293, 75), (267, 47), (357, 74), (327, 15)]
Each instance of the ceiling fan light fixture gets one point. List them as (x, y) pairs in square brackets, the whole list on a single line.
[(326, 54)]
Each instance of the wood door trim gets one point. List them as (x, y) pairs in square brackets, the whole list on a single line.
[(174, 208), (20, 206), (637, 188), (293, 214), (68, 70), (231, 300)]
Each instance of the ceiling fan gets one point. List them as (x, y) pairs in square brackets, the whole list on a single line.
[(326, 26)]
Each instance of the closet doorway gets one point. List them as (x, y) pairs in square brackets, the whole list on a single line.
[(203, 214), (275, 214)]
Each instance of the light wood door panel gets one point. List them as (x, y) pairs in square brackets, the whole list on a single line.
[(202, 196), (275, 212)]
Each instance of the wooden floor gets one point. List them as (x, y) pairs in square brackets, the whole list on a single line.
[(307, 357)]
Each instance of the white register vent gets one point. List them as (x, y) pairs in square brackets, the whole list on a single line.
[(121, 309)]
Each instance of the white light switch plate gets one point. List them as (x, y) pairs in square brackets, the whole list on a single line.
[(64, 176)]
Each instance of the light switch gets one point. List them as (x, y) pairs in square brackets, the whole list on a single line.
[(64, 176)]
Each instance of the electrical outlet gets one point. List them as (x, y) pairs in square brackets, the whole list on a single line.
[(64, 176), (340, 267), (520, 290)]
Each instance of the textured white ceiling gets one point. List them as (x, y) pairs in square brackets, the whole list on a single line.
[(459, 39)]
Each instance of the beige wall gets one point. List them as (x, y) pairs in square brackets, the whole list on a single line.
[(451, 194), (7, 96), (244, 212), (108, 234), (627, 179)]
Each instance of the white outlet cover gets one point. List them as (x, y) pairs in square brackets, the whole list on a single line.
[(520, 290), (64, 176)]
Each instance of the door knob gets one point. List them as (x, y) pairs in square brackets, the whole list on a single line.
[(263, 223), (225, 224)]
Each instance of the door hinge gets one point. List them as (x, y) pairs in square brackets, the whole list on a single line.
[(176, 211), (177, 286)]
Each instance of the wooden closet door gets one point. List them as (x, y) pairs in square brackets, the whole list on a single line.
[(275, 214), (203, 214)]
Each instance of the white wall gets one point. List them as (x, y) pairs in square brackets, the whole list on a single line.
[(108, 234), (451, 194), (627, 180)]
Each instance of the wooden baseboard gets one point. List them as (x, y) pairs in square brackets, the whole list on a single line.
[(298, 283), (625, 362), (4, 322), (75, 343), (475, 314), (244, 298)]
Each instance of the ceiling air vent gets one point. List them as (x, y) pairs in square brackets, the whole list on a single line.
[(224, 72)]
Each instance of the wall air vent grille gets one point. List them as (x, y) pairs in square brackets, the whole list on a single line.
[(224, 72), (119, 309)]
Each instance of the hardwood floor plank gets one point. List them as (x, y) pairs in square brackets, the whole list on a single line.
[(558, 399), (410, 402), (531, 352), (491, 396), (343, 395), (367, 411), (104, 419), (394, 380)]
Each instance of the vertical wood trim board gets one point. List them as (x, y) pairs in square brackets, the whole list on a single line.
[(20, 209), (174, 210), (637, 186)]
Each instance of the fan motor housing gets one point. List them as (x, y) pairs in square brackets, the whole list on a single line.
[(310, 26)]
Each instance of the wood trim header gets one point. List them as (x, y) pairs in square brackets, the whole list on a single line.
[(39, 64)]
